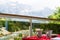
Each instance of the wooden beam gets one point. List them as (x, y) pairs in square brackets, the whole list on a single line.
[(24, 16)]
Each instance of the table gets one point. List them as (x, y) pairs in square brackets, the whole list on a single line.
[(42, 38), (36, 38)]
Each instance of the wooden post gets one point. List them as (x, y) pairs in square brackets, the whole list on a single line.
[(30, 27), (6, 23)]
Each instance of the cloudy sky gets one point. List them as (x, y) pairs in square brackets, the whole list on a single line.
[(35, 5), (40, 4)]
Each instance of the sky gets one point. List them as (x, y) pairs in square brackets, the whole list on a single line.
[(40, 4), (36, 5)]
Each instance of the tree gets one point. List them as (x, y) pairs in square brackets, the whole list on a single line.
[(55, 15), (55, 24), (2, 22)]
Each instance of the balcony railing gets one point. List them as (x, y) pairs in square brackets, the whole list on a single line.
[(30, 18)]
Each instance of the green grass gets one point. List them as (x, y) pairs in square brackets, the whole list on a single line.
[(18, 38)]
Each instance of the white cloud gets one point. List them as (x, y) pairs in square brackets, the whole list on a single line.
[(12, 0), (2, 1), (40, 4), (36, 4), (53, 4)]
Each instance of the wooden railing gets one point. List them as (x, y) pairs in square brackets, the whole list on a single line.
[(26, 17)]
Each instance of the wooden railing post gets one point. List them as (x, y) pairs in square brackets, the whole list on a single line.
[(30, 27), (6, 23)]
